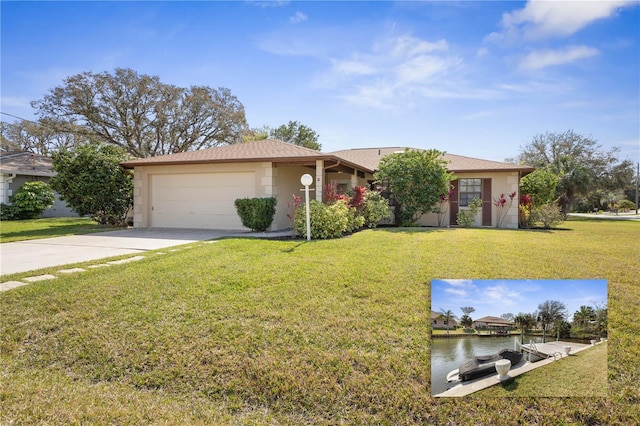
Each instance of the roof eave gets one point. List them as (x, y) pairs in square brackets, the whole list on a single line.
[(27, 173), (138, 163), (523, 170)]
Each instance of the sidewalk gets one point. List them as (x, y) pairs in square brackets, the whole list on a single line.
[(631, 215)]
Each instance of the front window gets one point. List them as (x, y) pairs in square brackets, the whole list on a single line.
[(386, 193), (469, 189)]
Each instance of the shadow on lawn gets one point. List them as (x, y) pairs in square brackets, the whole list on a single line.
[(509, 385), (292, 249)]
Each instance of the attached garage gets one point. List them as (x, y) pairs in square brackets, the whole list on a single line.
[(199, 200)]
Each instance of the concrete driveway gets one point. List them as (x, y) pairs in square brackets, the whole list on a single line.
[(30, 255)]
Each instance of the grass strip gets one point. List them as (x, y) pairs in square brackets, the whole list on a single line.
[(22, 230)]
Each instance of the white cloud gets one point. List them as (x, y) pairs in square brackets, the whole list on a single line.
[(457, 292), (394, 70), (482, 52), (410, 46), (421, 68), (461, 288), (298, 17), (501, 295), (541, 18), (353, 67), (546, 58), (459, 283), (268, 3)]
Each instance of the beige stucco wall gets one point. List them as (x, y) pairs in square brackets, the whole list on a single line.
[(279, 182), (287, 185), (284, 182), (501, 182), (263, 174)]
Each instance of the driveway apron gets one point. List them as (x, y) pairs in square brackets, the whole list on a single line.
[(24, 256)]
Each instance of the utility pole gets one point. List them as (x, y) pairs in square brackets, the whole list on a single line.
[(637, 183)]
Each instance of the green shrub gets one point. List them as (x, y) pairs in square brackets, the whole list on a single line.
[(466, 217), (256, 213), (626, 205), (327, 221), (547, 216), (355, 221), (8, 212), (92, 182), (29, 201)]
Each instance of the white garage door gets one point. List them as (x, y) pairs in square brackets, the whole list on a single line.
[(199, 200)]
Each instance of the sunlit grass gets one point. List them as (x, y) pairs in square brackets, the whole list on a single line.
[(20, 230), (289, 332), (583, 374)]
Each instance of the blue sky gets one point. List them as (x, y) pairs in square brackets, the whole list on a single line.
[(475, 78), (497, 297)]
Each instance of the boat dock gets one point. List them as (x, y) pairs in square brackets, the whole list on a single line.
[(549, 352), (538, 351)]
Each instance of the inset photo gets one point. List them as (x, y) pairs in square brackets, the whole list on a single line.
[(519, 337)]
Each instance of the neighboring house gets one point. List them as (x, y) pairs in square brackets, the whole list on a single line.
[(17, 168), (493, 323), (438, 322), (197, 189)]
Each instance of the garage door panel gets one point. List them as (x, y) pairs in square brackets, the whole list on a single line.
[(200, 200)]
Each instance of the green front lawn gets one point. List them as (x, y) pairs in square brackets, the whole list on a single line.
[(288, 332), (20, 230)]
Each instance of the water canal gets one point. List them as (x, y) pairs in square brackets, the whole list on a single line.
[(448, 354)]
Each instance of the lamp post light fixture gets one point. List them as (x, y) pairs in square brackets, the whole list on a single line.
[(306, 180)]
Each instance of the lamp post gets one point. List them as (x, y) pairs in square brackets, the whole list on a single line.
[(307, 180)]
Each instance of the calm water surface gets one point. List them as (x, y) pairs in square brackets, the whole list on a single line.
[(448, 354)]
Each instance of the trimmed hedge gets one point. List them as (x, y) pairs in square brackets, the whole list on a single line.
[(256, 213)]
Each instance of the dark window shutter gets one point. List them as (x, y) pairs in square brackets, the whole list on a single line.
[(486, 202), (453, 204)]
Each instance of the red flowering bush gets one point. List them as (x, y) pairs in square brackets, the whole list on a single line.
[(502, 207)]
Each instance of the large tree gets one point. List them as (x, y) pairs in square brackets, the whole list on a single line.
[(92, 182), (417, 179), (549, 147), (143, 115), (549, 312), (42, 138), (580, 162), (584, 316), (297, 134), (574, 180)]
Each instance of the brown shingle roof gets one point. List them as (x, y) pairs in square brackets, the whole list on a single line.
[(370, 158), (258, 151), (275, 150), (264, 150), (26, 163)]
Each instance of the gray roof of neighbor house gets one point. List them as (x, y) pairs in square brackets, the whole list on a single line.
[(366, 159), (263, 150), (26, 163), (370, 158)]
